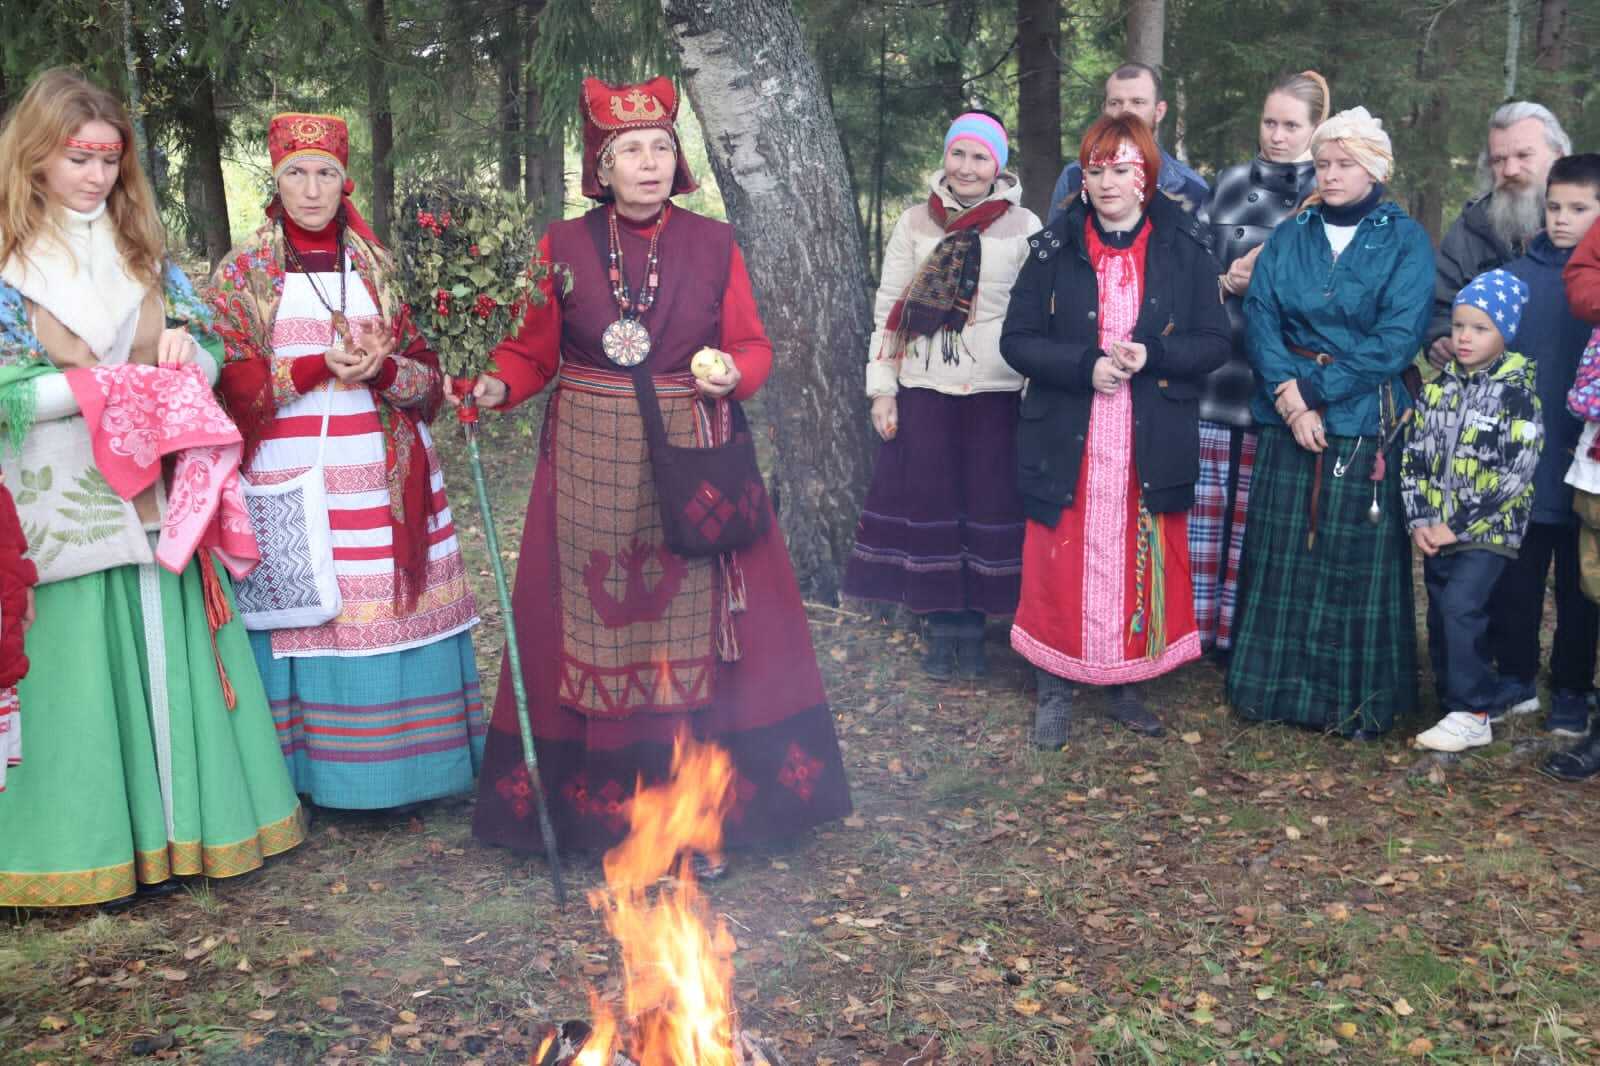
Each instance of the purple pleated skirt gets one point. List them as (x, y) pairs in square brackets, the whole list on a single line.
[(942, 526)]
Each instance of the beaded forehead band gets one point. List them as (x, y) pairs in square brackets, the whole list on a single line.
[(1126, 153), (94, 146)]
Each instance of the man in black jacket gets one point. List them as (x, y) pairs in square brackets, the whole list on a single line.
[(1524, 140)]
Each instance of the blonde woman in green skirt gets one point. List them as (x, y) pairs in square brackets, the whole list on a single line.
[(135, 768)]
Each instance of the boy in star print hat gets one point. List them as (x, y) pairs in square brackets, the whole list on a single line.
[(1467, 477)]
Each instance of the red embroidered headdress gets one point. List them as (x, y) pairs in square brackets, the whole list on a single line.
[(609, 110), (294, 136)]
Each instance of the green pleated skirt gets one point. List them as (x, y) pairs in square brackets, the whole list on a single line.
[(134, 770), (1324, 635)]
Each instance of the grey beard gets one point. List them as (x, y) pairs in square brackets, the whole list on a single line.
[(1516, 214)]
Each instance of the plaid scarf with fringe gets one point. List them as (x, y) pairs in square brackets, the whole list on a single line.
[(940, 297)]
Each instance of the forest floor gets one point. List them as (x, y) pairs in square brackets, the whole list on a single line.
[(1230, 893)]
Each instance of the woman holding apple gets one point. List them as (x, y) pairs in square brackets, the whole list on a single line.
[(629, 640), (941, 532)]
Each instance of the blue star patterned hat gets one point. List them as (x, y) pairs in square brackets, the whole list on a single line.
[(1499, 294)]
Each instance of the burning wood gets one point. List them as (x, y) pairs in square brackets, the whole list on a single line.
[(564, 1047), (677, 963)]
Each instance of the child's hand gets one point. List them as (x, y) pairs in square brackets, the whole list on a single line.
[(1419, 537), (1442, 535)]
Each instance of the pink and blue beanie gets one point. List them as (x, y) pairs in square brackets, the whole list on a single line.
[(973, 126)]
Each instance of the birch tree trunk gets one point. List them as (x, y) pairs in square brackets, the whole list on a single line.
[(773, 145), (1147, 31), (1039, 102)]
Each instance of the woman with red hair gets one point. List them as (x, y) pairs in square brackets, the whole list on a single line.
[(1114, 321)]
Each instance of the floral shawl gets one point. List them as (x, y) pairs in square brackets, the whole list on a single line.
[(244, 294), (23, 358)]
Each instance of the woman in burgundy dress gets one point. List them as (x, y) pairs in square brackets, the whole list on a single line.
[(625, 644)]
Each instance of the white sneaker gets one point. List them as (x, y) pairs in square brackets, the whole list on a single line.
[(1456, 731)]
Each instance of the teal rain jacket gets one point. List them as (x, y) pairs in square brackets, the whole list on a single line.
[(1368, 310)]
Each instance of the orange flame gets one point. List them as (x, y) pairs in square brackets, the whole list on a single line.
[(677, 963)]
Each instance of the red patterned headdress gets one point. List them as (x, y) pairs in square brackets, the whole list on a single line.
[(609, 110), (294, 136)]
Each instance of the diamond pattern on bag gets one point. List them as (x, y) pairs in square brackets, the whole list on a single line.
[(286, 577), (709, 510)]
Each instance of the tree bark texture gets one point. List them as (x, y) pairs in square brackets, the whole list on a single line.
[(773, 145), (543, 182), (380, 120), (1038, 102), (960, 27), (508, 66), (1551, 50), (1147, 32), (205, 144)]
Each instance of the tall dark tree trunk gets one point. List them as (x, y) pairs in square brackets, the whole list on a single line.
[(508, 65), (543, 183), (880, 147), (1039, 101), (205, 142), (380, 120), (769, 132), (949, 71), (1550, 51), (1147, 32), (1429, 122)]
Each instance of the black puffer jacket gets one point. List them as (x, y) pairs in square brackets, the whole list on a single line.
[(1246, 205), (1052, 336), (1469, 248)]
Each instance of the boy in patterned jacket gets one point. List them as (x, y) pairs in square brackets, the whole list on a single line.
[(1467, 477)]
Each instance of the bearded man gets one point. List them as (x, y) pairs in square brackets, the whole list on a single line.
[(1495, 228)]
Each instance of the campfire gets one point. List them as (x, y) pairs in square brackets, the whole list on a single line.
[(677, 962)]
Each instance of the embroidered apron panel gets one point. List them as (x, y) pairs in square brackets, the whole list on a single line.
[(637, 620)]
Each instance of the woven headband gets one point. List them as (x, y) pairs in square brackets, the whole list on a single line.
[(94, 146), (1126, 153)]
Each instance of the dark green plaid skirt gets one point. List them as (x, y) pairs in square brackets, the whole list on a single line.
[(1325, 636)]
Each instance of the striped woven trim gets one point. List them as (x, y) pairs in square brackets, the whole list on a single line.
[(607, 383), (76, 888)]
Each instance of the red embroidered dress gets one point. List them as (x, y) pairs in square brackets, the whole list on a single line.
[(1106, 594), (624, 643)]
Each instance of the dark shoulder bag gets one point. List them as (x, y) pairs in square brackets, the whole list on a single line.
[(712, 499)]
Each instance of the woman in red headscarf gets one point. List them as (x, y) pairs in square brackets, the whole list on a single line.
[(625, 644), (377, 707)]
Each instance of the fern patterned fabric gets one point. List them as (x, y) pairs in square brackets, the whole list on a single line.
[(136, 769), (84, 817), (1470, 461)]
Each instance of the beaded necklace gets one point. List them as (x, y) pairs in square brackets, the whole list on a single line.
[(336, 315), (626, 341)]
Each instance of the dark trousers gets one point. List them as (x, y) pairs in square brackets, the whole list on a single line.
[(1459, 589), (1517, 608)]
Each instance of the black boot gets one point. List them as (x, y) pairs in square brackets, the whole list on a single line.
[(939, 662), (971, 662), (1052, 718), (1128, 709), (1578, 763)]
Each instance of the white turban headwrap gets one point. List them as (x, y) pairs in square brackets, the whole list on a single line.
[(1362, 136)]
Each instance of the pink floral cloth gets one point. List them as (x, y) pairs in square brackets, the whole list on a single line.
[(138, 415)]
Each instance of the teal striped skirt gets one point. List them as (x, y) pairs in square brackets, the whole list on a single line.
[(373, 731)]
